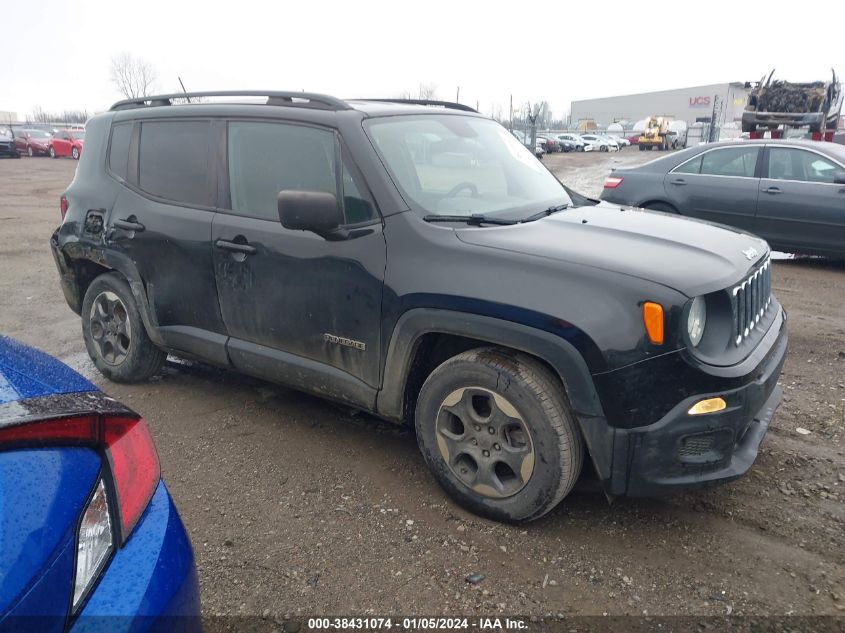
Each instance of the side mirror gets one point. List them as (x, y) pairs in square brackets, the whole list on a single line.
[(314, 211), (839, 177)]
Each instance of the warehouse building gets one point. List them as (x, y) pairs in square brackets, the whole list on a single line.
[(685, 104)]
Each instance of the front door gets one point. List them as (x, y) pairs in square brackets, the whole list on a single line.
[(800, 206), (719, 185), (61, 143), (299, 309)]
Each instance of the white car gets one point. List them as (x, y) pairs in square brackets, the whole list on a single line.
[(621, 142), (585, 145), (600, 143)]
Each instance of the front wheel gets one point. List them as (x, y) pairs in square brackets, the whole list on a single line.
[(52, 152), (114, 333), (496, 430), (29, 151), (75, 153)]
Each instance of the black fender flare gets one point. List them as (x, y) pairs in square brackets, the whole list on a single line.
[(559, 353)]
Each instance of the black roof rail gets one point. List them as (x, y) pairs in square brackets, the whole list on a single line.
[(274, 97), (426, 102)]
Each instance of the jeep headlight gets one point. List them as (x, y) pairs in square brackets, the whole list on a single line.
[(696, 319)]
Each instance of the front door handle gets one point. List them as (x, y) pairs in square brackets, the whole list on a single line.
[(129, 224), (235, 247), (773, 190), (678, 181)]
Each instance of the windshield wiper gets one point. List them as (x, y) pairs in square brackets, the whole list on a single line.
[(476, 219), (545, 212)]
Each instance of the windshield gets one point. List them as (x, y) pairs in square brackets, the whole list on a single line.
[(462, 165), (38, 134)]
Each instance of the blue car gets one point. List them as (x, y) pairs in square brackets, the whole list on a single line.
[(89, 537)]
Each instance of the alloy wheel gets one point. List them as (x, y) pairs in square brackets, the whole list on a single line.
[(110, 328), (485, 442)]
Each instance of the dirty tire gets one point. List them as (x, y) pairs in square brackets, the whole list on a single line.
[(142, 358), (537, 397)]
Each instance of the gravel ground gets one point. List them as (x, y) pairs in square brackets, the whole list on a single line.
[(297, 506)]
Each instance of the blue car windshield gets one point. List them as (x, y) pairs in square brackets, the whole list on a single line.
[(446, 164)]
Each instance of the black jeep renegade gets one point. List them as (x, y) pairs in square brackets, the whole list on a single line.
[(414, 260)]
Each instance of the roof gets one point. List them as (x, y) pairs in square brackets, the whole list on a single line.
[(306, 100)]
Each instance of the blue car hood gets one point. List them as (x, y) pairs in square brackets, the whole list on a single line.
[(26, 372)]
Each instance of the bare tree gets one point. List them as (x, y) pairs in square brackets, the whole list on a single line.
[(39, 115), (428, 91), (133, 76)]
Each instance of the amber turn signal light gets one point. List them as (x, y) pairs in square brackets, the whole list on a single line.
[(653, 320), (711, 405)]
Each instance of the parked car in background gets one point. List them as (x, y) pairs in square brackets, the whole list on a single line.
[(601, 143), (576, 144), (549, 144), (33, 142), (620, 141), (66, 143), (566, 145), (792, 193), (7, 143), (87, 526), (581, 143)]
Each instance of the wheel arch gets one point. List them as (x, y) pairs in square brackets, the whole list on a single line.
[(645, 204), (425, 337)]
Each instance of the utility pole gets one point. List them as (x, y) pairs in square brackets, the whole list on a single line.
[(510, 115), (458, 95)]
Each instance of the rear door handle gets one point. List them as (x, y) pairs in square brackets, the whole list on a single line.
[(773, 190), (226, 245), (129, 225), (678, 181)]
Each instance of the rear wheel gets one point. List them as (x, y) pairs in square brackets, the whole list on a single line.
[(52, 152), (75, 153), (114, 333), (496, 430)]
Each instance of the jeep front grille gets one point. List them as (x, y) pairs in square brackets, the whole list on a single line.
[(750, 300)]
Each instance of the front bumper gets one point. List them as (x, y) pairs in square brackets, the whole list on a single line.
[(683, 451)]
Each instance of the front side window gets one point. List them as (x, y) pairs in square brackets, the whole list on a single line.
[(732, 161), (798, 164), (266, 158), (174, 161), (461, 165)]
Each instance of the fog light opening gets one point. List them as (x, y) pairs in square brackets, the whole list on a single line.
[(710, 405)]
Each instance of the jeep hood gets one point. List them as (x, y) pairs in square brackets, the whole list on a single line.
[(691, 256)]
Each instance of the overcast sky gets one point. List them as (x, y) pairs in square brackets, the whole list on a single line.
[(56, 53)]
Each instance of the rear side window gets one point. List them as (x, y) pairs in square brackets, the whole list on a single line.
[(732, 161), (174, 161), (119, 149), (266, 158), (692, 166)]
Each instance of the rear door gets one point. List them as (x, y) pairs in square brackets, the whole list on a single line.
[(800, 207), (720, 185), (299, 308), (161, 221)]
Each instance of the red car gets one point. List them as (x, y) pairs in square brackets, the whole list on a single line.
[(33, 142), (67, 143)]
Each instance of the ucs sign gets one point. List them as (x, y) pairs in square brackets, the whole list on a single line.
[(699, 102)]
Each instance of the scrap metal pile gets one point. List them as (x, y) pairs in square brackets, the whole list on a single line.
[(772, 104)]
